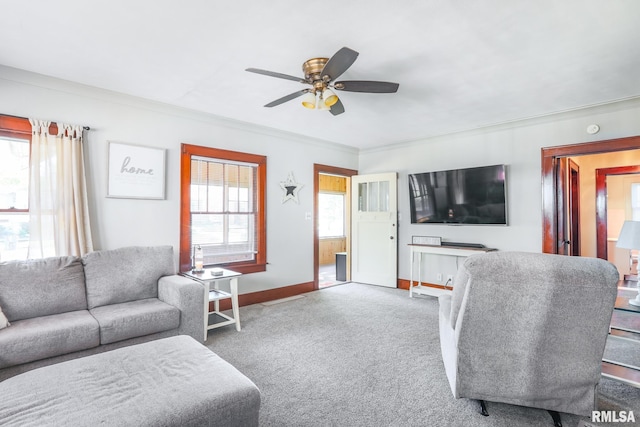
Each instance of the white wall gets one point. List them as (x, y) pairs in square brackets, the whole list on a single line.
[(124, 222), (518, 145)]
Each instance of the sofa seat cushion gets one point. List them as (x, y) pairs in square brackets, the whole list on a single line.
[(126, 274), (135, 319), (41, 287), (42, 337)]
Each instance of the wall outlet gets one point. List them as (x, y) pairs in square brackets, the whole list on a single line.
[(439, 277)]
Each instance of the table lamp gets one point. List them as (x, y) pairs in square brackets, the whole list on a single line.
[(629, 238)]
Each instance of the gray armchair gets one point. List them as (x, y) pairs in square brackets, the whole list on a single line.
[(528, 329)]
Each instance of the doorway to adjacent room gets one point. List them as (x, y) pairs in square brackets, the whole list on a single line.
[(331, 225), (601, 210)]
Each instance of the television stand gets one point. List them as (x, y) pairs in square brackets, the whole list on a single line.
[(464, 245), (448, 250)]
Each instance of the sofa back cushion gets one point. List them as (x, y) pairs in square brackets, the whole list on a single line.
[(126, 274), (41, 287)]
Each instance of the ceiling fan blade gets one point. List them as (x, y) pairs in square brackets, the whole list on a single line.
[(289, 97), (337, 108), (366, 86), (278, 75), (339, 63)]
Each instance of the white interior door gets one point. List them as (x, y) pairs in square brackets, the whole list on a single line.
[(374, 229)]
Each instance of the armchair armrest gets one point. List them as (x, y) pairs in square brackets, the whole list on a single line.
[(188, 296), (444, 302)]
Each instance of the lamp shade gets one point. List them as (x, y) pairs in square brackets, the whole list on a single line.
[(629, 237), (309, 100), (329, 97)]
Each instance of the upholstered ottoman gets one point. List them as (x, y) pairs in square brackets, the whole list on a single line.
[(169, 382)]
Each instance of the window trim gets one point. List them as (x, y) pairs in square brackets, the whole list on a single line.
[(19, 128), (188, 150)]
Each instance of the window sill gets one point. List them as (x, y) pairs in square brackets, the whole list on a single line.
[(245, 268)]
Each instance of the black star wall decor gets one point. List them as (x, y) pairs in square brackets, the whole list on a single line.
[(290, 188)]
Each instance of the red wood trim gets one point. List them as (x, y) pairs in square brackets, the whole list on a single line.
[(187, 151), (549, 158), (627, 375), (404, 284), (574, 180), (267, 295), (601, 204), (317, 170), (601, 213), (549, 219), (561, 205), (184, 262), (12, 126)]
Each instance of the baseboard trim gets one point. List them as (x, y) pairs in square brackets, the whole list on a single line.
[(269, 295), (293, 290), (404, 284)]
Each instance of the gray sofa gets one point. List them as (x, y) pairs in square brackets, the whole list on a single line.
[(63, 308)]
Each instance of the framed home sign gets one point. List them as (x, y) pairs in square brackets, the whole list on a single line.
[(135, 171)]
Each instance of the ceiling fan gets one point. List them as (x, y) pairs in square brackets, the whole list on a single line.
[(320, 73)]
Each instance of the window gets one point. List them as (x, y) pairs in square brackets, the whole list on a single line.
[(222, 208), (331, 215), (15, 143)]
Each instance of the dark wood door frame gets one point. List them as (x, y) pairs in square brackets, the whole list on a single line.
[(550, 159), (562, 245), (574, 207), (319, 169), (601, 204)]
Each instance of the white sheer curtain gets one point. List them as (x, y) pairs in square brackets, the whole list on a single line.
[(58, 209)]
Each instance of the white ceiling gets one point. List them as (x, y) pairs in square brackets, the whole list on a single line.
[(460, 64)]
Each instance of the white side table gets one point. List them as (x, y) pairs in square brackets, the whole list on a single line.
[(213, 293)]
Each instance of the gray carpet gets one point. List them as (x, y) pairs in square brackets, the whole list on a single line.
[(360, 355)]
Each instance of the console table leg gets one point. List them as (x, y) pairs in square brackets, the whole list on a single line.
[(234, 302)]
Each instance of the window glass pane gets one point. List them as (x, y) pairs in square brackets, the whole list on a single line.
[(362, 197), (215, 182), (239, 228), (215, 198), (373, 197), (231, 177), (246, 188), (331, 215), (384, 196), (14, 173), (207, 229), (14, 236), (198, 186)]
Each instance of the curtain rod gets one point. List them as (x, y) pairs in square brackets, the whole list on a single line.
[(26, 118)]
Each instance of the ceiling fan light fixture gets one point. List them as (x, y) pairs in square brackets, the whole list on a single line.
[(329, 97), (322, 106), (309, 100)]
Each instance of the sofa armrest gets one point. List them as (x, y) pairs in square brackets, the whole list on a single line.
[(188, 296)]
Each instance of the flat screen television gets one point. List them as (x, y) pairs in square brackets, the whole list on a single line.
[(460, 196)]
